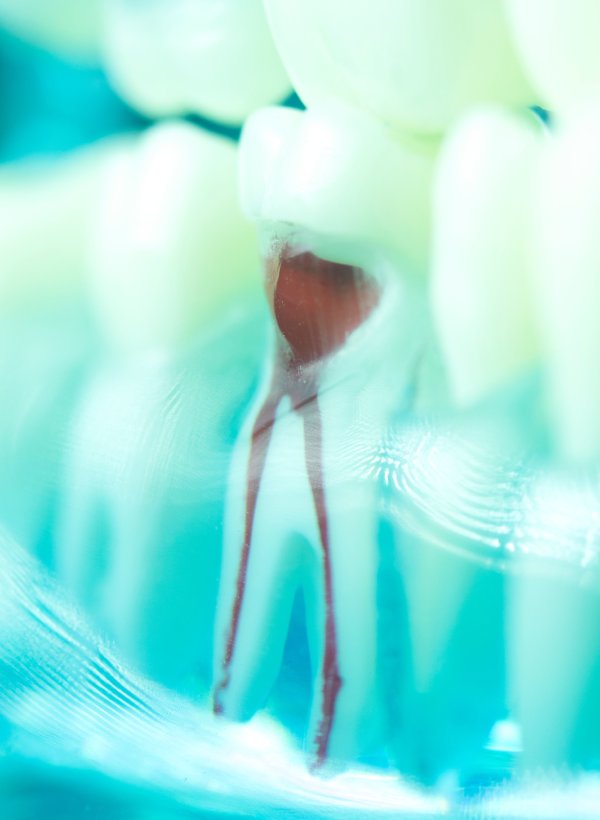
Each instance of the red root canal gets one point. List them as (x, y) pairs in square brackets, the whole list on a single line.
[(317, 304)]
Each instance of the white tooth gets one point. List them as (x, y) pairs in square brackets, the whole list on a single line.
[(451, 687), (214, 58), (567, 287), (171, 246), (173, 258), (66, 26), (284, 460), (554, 627), (414, 63), (558, 42), (481, 280), (338, 172), (53, 204)]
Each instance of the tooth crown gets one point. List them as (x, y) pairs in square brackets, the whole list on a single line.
[(166, 258), (337, 172), (172, 57), (557, 40), (481, 272), (414, 63)]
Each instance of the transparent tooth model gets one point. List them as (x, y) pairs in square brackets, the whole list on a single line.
[(329, 511)]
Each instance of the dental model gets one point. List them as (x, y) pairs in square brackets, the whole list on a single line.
[(173, 57), (171, 270)]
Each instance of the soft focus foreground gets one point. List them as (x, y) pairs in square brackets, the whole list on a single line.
[(299, 486)]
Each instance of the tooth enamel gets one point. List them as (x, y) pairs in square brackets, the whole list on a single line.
[(297, 514), (170, 57), (558, 42), (171, 246), (55, 204), (338, 172), (481, 266), (567, 287), (67, 26), (414, 63)]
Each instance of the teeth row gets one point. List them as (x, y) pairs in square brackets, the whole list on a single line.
[(171, 57)]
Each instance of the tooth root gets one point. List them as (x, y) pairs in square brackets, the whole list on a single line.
[(339, 173), (170, 58), (309, 502), (379, 57), (567, 256), (451, 692), (558, 43), (554, 635), (261, 564), (481, 277), (166, 258)]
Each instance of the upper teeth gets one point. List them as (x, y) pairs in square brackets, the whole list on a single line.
[(558, 42), (414, 63), (339, 173), (179, 56)]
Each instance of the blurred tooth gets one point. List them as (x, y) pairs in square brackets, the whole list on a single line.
[(55, 204), (558, 42), (554, 637), (339, 173), (71, 27), (171, 246), (170, 57), (451, 685), (568, 286), (481, 281), (554, 622), (413, 63)]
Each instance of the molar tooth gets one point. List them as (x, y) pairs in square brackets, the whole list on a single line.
[(171, 57), (415, 63), (338, 172), (171, 246), (481, 279), (567, 257), (297, 514), (558, 42)]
